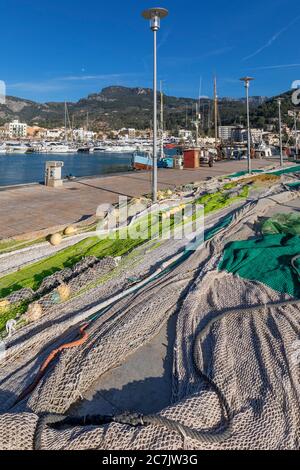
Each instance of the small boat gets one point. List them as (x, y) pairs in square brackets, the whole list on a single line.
[(14, 147), (2, 149), (84, 149), (171, 146), (142, 161), (58, 147), (98, 149)]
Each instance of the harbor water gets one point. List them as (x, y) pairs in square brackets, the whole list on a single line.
[(30, 168)]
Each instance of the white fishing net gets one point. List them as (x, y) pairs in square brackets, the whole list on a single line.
[(243, 364)]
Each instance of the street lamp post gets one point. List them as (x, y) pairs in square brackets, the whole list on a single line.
[(247, 81), (280, 131), (296, 136), (154, 15)]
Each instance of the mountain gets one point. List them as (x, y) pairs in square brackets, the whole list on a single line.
[(116, 107)]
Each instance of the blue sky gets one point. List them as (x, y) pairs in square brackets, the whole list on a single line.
[(64, 50)]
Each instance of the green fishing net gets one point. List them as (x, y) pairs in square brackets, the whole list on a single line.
[(269, 260), (285, 171), (243, 173), (282, 223)]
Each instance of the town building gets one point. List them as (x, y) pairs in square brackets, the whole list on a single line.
[(185, 134), (53, 134), (17, 129), (3, 132), (225, 132), (239, 134), (36, 132), (82, 135), (129, 133)]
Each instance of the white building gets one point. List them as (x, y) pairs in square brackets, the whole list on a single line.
[(17, 129), (83, 135), (225, 132), (256, 135), (53, 134), (185, 134), (127, 133)]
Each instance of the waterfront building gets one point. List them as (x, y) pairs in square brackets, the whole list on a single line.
[(17, 129), (185, 134), (36, 132), (225, 132), (257, 135), (83, 135), (54, 134), (3, 132), (128, 133), (239, 134)]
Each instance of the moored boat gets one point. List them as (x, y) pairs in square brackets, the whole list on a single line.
[(142, 161)]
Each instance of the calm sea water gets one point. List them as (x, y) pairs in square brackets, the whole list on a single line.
[(29, 168)]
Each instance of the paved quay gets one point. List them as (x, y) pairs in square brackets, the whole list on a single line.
[(35, 208)]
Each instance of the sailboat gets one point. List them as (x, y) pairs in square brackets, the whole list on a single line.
[(61, 147)]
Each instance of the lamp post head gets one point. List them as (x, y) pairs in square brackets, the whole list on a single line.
[(246, 80), (155, 15)]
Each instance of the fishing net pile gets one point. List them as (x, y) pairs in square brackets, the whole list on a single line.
[(236, 375)]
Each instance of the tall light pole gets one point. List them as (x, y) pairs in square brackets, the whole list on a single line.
[(280, 131), (247, 81), (296, 135), (154, 15)]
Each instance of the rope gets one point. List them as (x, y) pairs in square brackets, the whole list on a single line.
[(50, 359)]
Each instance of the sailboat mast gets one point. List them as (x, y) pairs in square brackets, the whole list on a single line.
[(66, 137), (296, 133), (161, 121), (197, 125), (216, 110), (199, 101), (87, 125)]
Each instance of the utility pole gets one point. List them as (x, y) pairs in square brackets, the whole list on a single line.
[(216, 111), (196, 124), (66, 137), (296, 134), (247, 81), (154, 15), (186, 117), (161, 121)]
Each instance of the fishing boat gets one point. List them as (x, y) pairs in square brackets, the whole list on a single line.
[(142, 161)]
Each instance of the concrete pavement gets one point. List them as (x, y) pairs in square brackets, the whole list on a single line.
[(35, 208)]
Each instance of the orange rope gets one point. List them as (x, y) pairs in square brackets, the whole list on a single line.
[(50, 359)]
